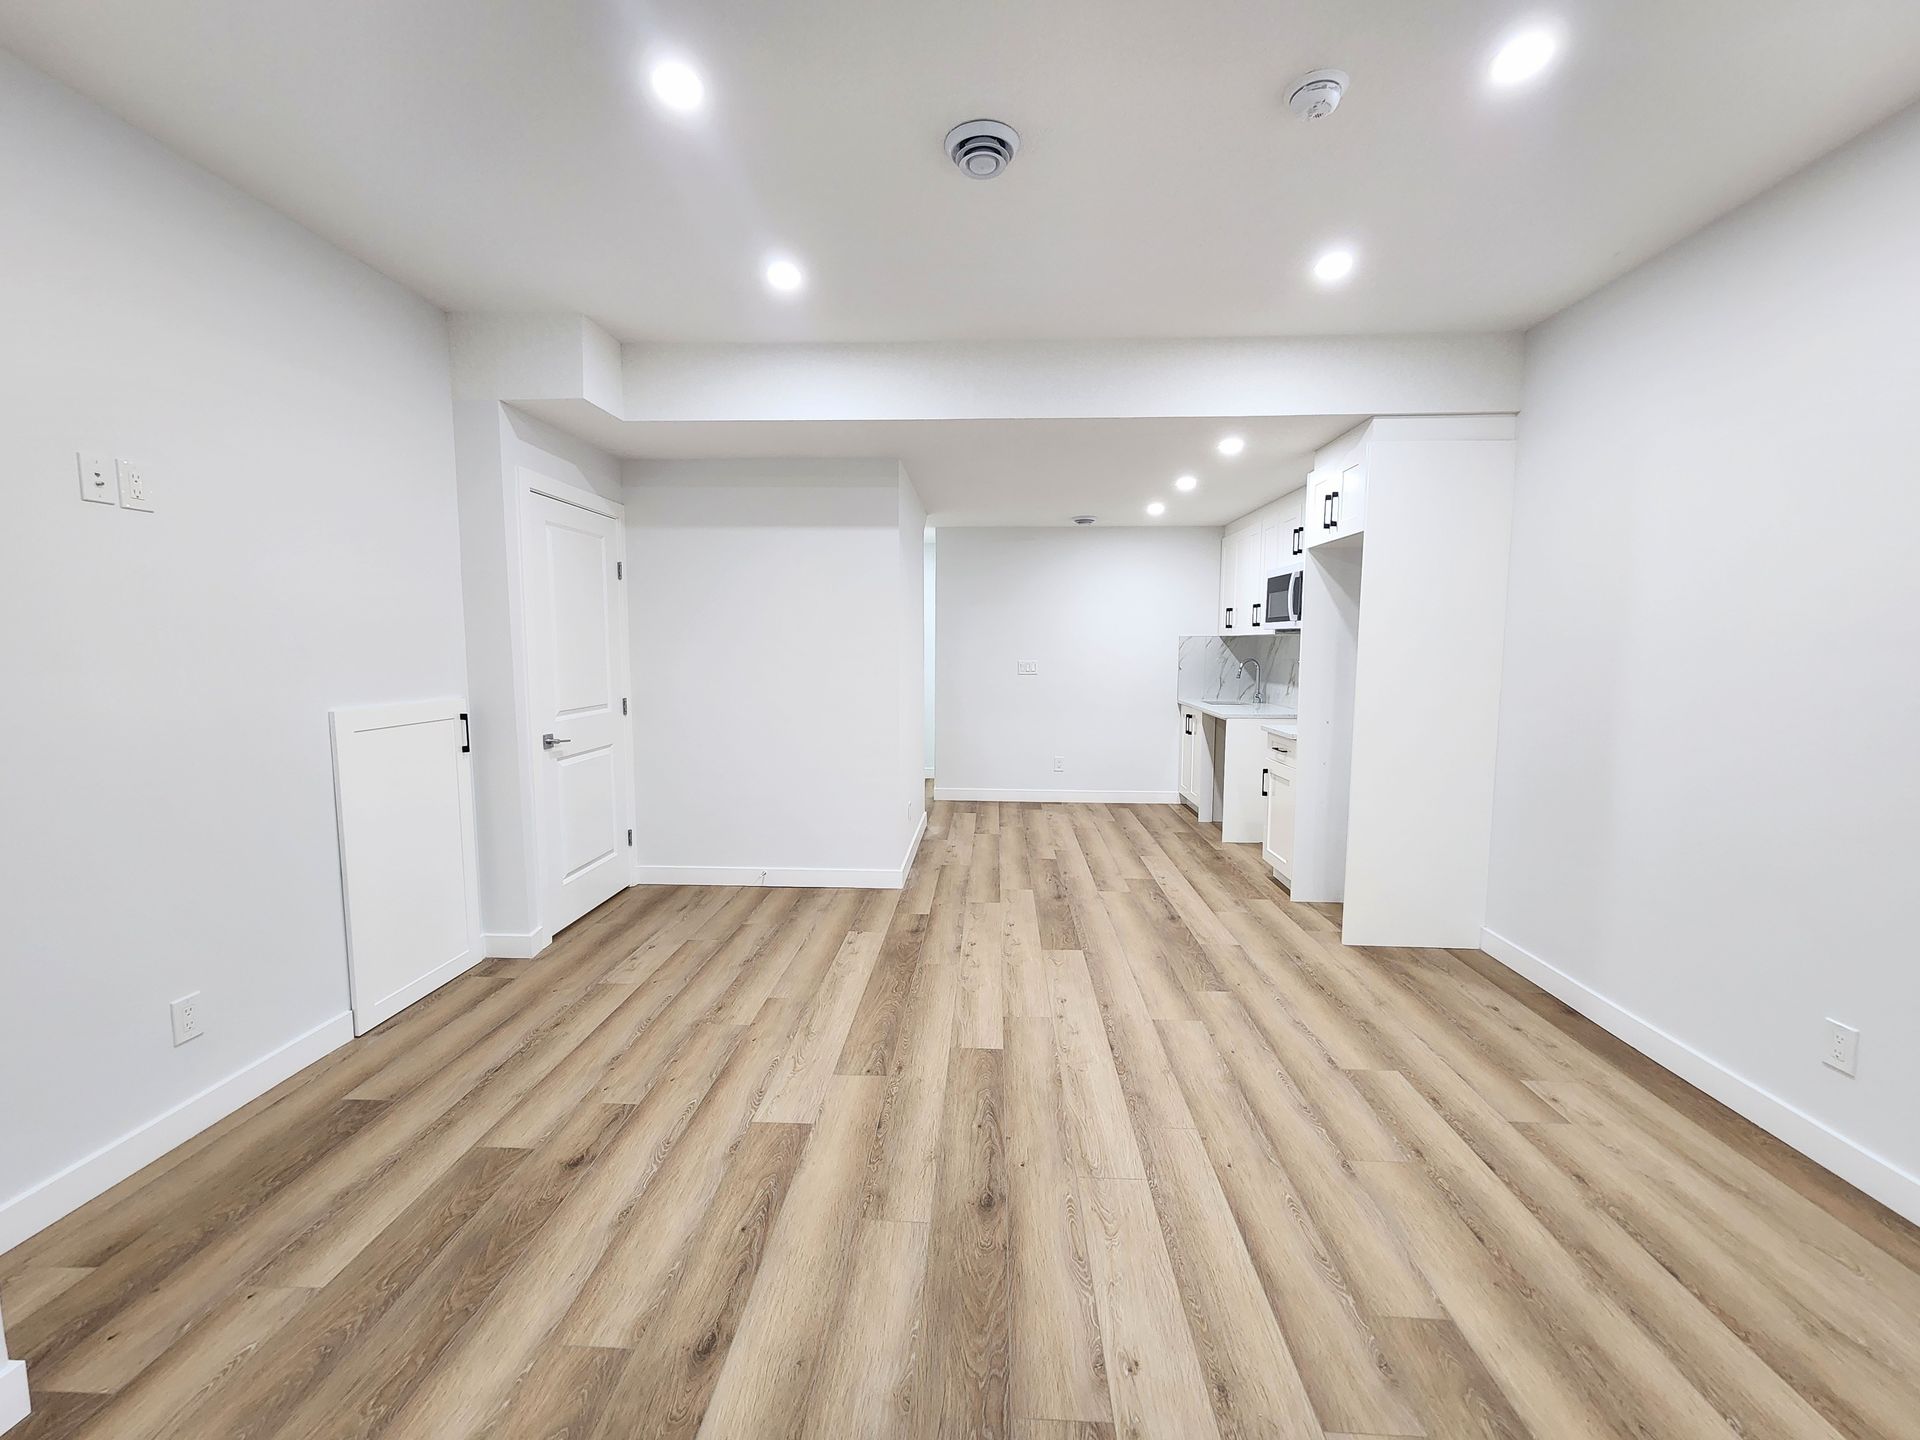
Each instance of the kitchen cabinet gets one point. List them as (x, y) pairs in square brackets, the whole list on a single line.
[(1276, 780), (1255, 547), (1337, 501), (1190, 750)]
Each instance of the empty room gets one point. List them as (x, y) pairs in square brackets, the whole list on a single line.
[(890, 721)]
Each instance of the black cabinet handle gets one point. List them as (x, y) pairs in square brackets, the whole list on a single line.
[(1263, 783), (1256, 611), (1189, 724), (1333, 500), (1229, 617), (1298, 531), (466, 735)]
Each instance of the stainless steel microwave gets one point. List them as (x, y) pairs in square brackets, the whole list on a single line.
[(1283, 599)]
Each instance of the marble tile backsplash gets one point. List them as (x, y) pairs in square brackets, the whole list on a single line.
[(1211, 667)]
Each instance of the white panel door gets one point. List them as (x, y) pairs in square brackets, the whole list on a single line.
[(577, 666), (403, 791)]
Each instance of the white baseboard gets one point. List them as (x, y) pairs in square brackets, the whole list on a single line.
[(33, 1210), (1878, 1176), (929, 772), (511, 946), (800, 877), (1059, 797), (13, 1393)]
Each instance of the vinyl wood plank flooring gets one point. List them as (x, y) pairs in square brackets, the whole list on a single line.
[(1088, 1132)]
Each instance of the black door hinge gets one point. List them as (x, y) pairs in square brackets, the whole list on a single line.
[(623, 704), (619, 569), (629, 837)]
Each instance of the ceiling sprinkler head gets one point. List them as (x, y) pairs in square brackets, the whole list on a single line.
[(1317, 94), (1083, 519)]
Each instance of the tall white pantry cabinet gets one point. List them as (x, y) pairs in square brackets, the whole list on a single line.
[(1405, 595)]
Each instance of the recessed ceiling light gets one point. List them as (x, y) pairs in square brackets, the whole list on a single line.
[(1523, 57), (1333, 267), (1157, 508), (678, 86), (1186, 482), (1231, 445), (785, 276)]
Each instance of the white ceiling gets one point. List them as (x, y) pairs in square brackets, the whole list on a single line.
[(1009, 472), (506, 156)]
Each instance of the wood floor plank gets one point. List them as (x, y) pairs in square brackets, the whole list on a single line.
[(1341, 1361), (1029, 982), (676, 1359), (1154, 1375), (1251, 1377), (561, 1396), (963, 1382), (869, 1375), (1059, 1367), (1099, 1126), (799, 1085), (768, 1370), (983, 977)]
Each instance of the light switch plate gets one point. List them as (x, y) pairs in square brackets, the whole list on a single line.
[(1026, 667), (98, 482), (136, 486)]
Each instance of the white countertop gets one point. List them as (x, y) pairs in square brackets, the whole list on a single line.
[(1240, 710), (1285, 729)]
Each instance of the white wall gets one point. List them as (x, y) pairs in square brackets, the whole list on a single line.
[(1102, 612), (776, 670), (167, 792), (1707, 780)]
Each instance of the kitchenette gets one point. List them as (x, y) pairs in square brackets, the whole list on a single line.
[(1348, 729)]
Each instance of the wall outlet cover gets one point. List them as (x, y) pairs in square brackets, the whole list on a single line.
[(136, 487), (1059, 764), (98, 480), (1842, 1048), (187, 1020)]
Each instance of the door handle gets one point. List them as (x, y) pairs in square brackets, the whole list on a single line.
[(1263, 782), (549, 741)]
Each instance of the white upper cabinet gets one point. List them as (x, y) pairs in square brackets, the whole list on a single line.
[(1337, 501), (1254, 548)]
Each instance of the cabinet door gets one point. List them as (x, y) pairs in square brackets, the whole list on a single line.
[(1279, 847), (1229, 580), (1350, 501), (1317, 521), (1189, 722), (1293, 537)]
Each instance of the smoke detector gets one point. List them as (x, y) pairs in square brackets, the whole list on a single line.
[(1317, 94), (982, 148), (1083, 519)]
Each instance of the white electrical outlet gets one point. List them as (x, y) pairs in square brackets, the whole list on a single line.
[(136, 490), (1842, 1050), (98, 482), (186, 1018), (1026, 667), (1059, 764)]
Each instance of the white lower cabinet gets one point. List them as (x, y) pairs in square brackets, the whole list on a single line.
[(1190, 750), (1276, 782)]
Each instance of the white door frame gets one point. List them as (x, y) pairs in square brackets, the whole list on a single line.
[(532, 482)]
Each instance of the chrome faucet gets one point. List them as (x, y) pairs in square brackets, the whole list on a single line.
[(1258, 690)]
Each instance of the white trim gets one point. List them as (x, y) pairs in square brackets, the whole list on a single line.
[(819, 878), (1060, 797), (913, 845), (1878, 1176), (31, 1211), (929, 772), (576, 495), (515, 947), (13, 1393)]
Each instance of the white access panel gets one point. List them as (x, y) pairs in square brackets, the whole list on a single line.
[(403, 790)]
